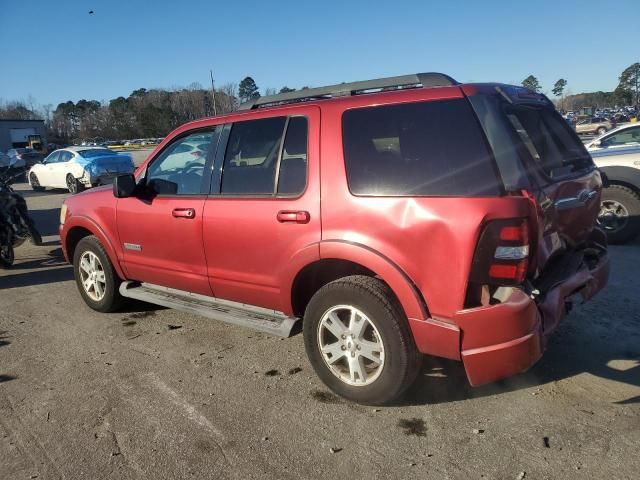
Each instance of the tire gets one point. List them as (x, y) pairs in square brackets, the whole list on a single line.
[(73, 184), (35, 184), (6, 256), (110, 300), (385, 324), (619, 214), (601, 131)]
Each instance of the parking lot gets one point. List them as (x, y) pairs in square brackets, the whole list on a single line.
[(155, 393)]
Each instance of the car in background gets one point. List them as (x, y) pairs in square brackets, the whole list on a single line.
[(617, 155), (25, 157), (594, 125), (77, 168)]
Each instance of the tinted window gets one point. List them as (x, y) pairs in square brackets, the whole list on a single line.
[(293, 166), (182, 162), (252, 156), (426, 148), (549, 140), (95, 152), (65, 156)]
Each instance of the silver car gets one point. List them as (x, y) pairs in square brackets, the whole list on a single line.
[(617, 155)]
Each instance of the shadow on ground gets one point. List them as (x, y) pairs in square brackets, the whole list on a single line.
[(4, 342)]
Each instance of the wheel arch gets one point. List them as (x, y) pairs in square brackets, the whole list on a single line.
[(339, 259), (81, 227), (625, 176)]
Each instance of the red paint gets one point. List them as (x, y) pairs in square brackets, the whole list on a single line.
[(250, 250)]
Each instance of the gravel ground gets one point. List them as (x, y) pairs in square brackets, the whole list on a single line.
[(155, 393)]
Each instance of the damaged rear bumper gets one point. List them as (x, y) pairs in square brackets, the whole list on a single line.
[(507, 338)]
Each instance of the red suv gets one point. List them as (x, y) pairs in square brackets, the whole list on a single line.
[(395, 217)]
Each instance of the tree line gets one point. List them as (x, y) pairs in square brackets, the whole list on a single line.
[(626, 93), (155, 112)]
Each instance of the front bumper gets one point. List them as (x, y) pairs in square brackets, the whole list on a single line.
[(505, 339)]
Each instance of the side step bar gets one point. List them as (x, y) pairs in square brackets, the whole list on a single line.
[(257, 318)]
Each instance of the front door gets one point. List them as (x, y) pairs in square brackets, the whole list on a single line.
[(160, 230), (264, 210)]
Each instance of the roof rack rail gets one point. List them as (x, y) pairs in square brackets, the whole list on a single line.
[(424, 80)]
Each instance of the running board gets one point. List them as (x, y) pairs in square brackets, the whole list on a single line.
[(257, 318)]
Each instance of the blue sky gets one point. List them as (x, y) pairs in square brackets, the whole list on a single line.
[(55, 51)]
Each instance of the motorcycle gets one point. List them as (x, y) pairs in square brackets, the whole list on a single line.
[(16, 226)]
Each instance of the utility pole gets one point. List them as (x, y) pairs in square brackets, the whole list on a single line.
[(213, 94)]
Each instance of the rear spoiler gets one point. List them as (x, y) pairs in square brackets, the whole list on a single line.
[(513, 94)]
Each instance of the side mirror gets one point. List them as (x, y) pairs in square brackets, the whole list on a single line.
[(597, 143), (124, 185)]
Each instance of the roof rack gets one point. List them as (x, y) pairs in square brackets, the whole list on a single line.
[(424, 80)]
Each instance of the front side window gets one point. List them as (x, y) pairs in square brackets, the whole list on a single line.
[(65, 156), (629, 136), (431, 148), (251, 159), (182, 163)]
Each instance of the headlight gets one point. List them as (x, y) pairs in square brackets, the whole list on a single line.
[(63, 213)]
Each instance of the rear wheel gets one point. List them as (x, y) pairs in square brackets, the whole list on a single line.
[(6, 256), (95, 276), (358, 340), (619, 213), (35, 184), (74, 185)]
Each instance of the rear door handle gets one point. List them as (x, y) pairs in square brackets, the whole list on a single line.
[(293, 216), (184, 212)]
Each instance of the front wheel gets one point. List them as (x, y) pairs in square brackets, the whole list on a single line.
[(358, 341), (35, 183), (601, 131), (619, 213), (74, 185), (95, 276), (6, 256)]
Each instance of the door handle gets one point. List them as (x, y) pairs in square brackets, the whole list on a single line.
[(184, 212), (293, 216)]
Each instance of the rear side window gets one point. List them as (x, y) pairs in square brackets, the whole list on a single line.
[(292, 178), (251, 159), (417, 149)]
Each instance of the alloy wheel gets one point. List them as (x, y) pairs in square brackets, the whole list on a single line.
[(351, 345), (92, 276), (613, 215)]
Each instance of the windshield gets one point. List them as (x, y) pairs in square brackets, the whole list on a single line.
[(548, 140), (95, 152)]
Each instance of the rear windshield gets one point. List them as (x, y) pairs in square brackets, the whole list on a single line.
[(548, 140), (95, 152), (431, 148)]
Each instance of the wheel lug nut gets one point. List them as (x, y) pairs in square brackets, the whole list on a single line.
[(358, 347), (353, 354), (343, 347), (343, 336)]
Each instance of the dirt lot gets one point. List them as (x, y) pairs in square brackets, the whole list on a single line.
[(154, 393)]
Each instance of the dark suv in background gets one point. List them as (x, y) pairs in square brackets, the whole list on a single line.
[(394, 217)]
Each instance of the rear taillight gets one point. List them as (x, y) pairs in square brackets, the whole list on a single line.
[(502, 253)]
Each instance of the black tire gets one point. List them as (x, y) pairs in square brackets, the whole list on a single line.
[(112, 300), (401, 358), (6, 256), (73, 184), (625, 226), (35, 184), (601, 131)]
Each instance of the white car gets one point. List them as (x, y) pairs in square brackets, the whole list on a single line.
[(77, 168), (617, 155)]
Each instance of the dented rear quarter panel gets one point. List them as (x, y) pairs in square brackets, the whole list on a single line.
[(430, 239)]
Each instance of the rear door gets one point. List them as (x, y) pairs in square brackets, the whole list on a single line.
[(264, 210)]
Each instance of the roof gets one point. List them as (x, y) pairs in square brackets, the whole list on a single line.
[(79, 148), (417, 80)]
